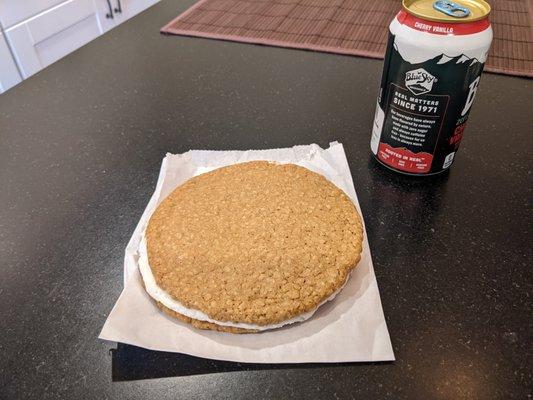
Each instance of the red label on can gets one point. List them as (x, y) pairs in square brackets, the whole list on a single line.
[(457, 135), (404, 159), (442, 28)]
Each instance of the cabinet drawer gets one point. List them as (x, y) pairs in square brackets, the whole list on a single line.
[(15, 11), (47, 37)]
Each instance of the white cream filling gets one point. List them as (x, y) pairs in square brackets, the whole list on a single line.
[(164, 298)]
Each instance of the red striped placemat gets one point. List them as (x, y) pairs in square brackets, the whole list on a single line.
[(358, 27)]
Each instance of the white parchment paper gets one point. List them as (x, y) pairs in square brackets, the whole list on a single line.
[(350, 328)]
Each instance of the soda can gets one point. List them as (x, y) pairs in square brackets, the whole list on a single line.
[(435, 56)]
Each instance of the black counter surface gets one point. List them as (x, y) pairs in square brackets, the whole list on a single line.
[(81, 144)]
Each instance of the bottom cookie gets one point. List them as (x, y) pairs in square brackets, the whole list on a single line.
[(203, 324), (200, 324)]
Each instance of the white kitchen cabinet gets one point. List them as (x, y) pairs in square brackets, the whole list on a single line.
[(41, 32), (45, 38), (9, 75), (106, 14), (125, 9), (115, 12), (15, 11)]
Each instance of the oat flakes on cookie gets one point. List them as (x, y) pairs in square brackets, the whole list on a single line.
[(250, 247)]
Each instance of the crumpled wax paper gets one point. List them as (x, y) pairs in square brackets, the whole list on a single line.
[(349, 328)]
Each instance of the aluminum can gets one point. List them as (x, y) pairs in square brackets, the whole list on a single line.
[(435, 55)]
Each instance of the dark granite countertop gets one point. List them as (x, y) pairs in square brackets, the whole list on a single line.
[(80, 149)]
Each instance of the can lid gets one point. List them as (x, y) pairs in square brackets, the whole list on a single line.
[(455, 11)]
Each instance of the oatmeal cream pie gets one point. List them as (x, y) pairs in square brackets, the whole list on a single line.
[(250, 247)]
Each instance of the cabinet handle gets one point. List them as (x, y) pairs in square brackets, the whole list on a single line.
[(110, 13), (118, 9)]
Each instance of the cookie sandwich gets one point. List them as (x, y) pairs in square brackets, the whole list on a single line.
[(250, 247)]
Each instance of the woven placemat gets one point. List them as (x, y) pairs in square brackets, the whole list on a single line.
[(358, 27)]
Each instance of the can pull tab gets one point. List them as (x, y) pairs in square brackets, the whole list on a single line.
[(452, 9)]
